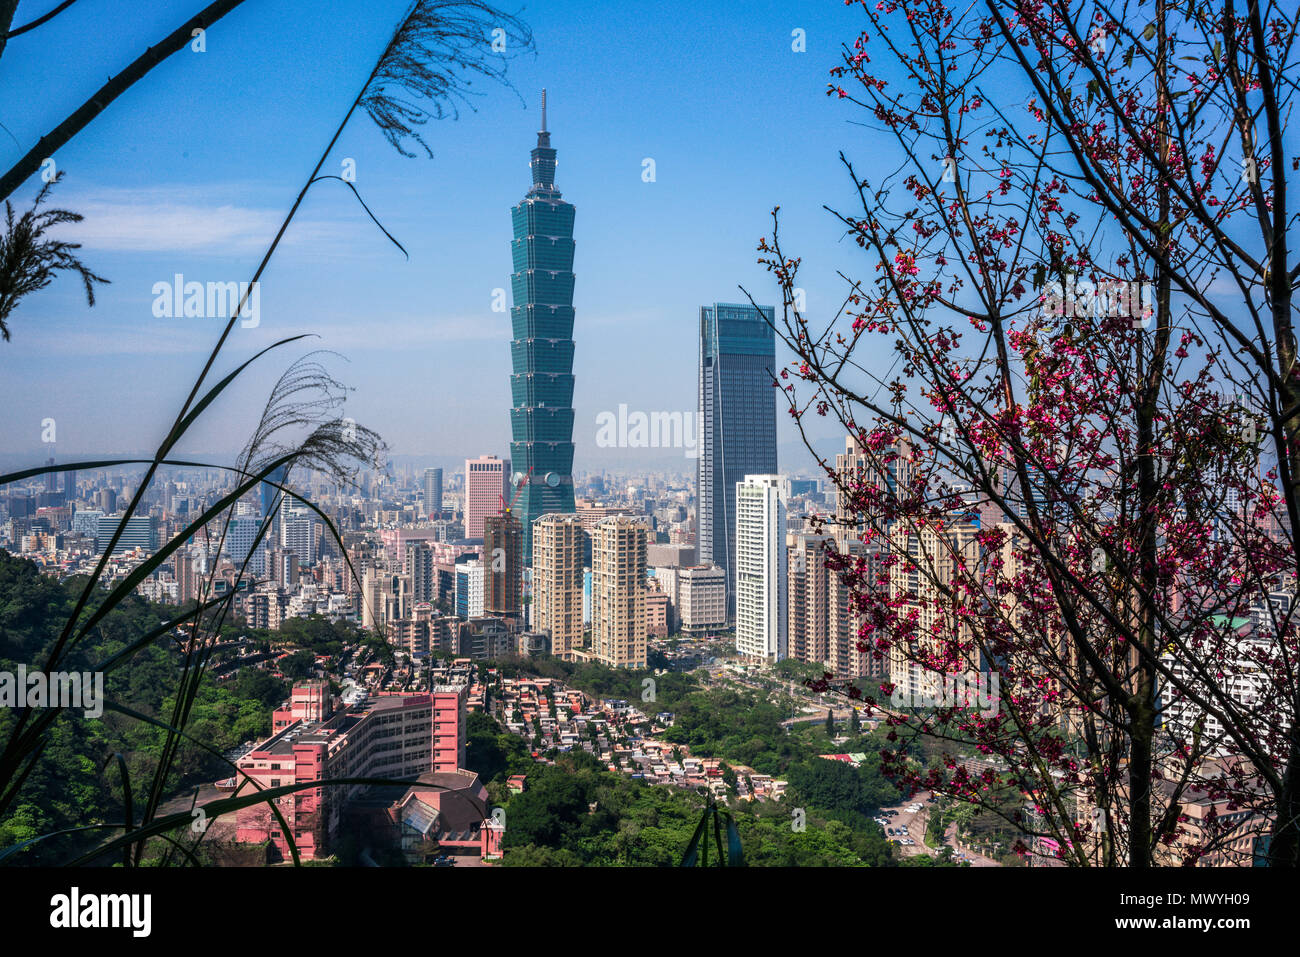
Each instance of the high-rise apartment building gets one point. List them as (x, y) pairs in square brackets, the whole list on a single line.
[(485, 485), (618, 592), (760, 557), (807, 602), (823, 628), (283, 569), (432, 491), (298, 534), (187, 579), (241, 533), (558, 544), (846, 659), (503, 555), (737, 406), (927, 569), (541, 351), (469, 589), (888, 470), (422, 566)]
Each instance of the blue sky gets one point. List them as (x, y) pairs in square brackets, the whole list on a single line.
[(191, 171)]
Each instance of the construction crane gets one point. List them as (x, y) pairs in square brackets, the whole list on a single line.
[(506, 509)]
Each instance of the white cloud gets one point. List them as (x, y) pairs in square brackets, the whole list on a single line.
[(175, 218)]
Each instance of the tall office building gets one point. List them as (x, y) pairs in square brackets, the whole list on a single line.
[(141, 532), (737, 406), (432, 491), (761, 625), (618, 592), (485, 486), (269, 494), (503, 555), (86, 522), (558, 546), (541, 386)]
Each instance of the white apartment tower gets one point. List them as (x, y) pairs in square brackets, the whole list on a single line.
[(761, 626)]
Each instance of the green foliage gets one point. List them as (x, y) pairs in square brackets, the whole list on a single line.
[(76, 781), (491, 751), (634, 824), (740, 726), (793, 670), (838, 786), (318, 634), (298, 666)]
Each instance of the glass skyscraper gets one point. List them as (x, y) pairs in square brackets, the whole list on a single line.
[(737, 423), (541, 386), (432, 491)]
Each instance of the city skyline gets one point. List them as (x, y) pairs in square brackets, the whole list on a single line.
[(881, 467), (429, 325)]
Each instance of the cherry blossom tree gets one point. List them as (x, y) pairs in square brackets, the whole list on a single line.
[(1082, 464)]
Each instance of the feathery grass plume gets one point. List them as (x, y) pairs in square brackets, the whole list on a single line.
[(299, 426), (308, 397), (428, 67), (29, 259), (460, 34)]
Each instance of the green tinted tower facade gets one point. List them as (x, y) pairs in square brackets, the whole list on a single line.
[(541, 386)]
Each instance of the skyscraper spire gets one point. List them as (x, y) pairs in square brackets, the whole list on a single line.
[(543, 161), (543, 135)]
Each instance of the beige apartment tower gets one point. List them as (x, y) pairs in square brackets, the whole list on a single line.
[(927, 569), (823, 623), (558, 541), (856, 468), (618, 592)]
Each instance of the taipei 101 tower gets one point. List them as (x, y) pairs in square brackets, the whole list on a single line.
[(541, 351)]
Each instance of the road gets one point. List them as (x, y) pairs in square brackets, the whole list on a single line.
[(915, 822)]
